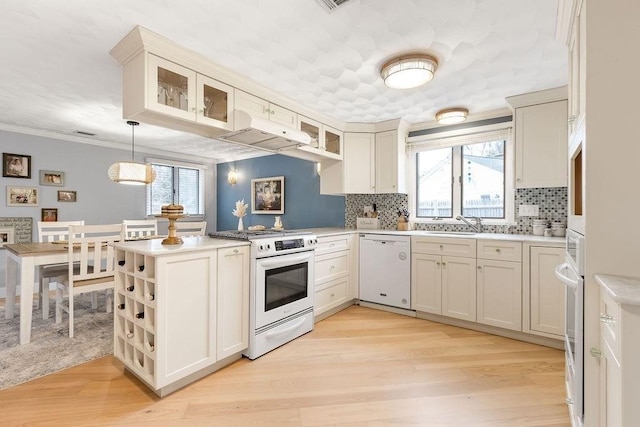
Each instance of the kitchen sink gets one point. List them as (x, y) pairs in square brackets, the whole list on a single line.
[(460, 233)]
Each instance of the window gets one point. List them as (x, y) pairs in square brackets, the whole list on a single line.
[(463, 175), (179, 184)]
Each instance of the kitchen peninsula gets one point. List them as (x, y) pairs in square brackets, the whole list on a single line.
[(182, 311)]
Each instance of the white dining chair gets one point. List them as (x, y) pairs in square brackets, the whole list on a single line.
[(191, 228), (139, 228), (95, 270), (51, 232)]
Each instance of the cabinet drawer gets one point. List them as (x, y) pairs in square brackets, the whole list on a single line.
[(331, 266), (327, 244), (500, 250), (330, 295), (443, 246), (610, 319)]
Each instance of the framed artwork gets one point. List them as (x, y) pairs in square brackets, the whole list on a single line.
[(22, 196), (16, 165), (51, 178), (66, 196), (6, 236), (49, 214), (267, 195)]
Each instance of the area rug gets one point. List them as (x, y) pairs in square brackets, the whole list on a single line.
[(51, 349)]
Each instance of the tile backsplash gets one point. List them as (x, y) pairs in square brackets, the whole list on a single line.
[(552, 203)]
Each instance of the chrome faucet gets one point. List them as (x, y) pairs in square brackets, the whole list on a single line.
[(477, 227)]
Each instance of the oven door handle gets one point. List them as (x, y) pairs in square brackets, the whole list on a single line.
[(564, 278), (276, 262), (273, 334)]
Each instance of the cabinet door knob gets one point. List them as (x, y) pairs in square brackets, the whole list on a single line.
[(498, 250), (605, 318), (444, 264), (595, 353), (519, 180), (438, 263), (479, 268), (235, 251), (441, 247)]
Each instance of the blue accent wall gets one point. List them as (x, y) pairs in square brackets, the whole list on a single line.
[(304, 206)]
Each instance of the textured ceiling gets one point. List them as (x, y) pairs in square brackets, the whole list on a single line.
[(57, 74)]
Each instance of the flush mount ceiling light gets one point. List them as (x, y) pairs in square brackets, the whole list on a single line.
[(131, 173), (409, 71), (451, 116)]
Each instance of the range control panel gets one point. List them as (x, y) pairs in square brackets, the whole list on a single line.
[(276, 246)]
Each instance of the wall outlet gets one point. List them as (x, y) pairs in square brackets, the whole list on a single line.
[(528, 210)]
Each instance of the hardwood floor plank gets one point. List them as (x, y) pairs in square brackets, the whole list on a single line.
[(360, 367)]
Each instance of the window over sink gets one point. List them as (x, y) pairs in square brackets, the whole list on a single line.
[(177, 183), (469, 175)]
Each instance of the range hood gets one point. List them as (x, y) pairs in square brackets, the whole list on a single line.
[(265, 134)]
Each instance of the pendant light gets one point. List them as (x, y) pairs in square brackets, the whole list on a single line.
[(131, 173), (409, 71)]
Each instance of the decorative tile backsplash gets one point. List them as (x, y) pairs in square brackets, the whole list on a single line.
[(552, 203)]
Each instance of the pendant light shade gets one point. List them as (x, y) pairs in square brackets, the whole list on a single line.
[(131, 173), (409, 71), (452, 116)]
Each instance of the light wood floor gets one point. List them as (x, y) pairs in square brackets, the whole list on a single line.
[(360, 367)]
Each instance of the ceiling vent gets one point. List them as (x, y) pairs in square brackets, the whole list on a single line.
[(83, 133), (331, 5)]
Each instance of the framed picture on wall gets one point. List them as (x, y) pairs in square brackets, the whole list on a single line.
[(66, 196), (49, 214), (22, 196), (267, 195), (51, 178), (6, 236), (16, 165)]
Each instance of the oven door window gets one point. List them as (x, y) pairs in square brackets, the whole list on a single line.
[(285, 285)]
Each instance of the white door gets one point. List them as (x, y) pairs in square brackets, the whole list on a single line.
[(547, 304), (233, 301), (459, 288), (499, 285), (426, 275), (358, 163)]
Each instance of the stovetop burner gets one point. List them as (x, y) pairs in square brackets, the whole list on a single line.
[(255, 234)]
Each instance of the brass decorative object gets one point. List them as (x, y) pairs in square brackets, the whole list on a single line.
[(172, 238)]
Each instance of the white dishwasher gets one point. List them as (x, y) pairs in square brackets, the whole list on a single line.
[(385, 269)]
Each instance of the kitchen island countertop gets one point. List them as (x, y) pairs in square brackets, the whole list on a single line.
[(154, 247)]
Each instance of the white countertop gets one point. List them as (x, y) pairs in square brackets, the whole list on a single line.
[(623, 290), (154, 247), (528, 238)]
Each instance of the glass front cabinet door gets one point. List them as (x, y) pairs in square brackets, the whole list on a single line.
[(182, 93), (325, 140)]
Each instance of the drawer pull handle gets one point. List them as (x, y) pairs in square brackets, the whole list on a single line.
[(332, 295), (441, 247), (605, 318), (332, 267), (498, 250), (595, 353)]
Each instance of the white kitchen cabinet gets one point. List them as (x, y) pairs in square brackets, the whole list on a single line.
[(333, 275), (390, 173), (259, 107), (169, 302), (161, 92), (359, 163), (372, 163), (233, 301), (499, 283), (545, 311), (575, 39), (442, 282), (619, 350), (541, 145), (326, 141)]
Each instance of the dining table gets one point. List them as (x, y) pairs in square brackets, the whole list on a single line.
[(21, 263)]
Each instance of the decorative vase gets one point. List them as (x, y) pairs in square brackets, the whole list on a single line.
[(240, 225)]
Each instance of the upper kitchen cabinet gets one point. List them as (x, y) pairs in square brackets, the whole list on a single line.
[(571, 31), (161, 92), (326, 142), (390, 162), (541, 138), (259, 107), (372, 163)]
